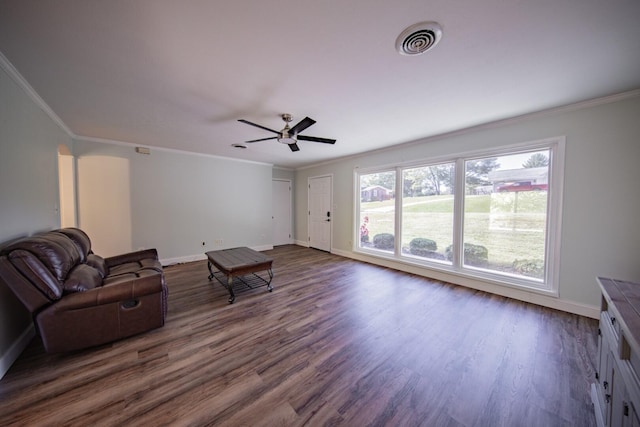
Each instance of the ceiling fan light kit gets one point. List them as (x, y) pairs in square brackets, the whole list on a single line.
[(284, 137), (290, 136)]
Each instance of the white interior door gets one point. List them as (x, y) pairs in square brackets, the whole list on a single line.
[(320, 215), (281, 193)]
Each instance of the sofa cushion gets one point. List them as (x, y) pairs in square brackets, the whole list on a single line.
[(36, 272), (153, 264), (126, 268), (112, 280), (56, 251), (135, 266), (80, 239), (82, 278), (97, 262)]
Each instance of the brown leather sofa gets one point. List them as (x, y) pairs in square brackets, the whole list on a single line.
[(79, 299)]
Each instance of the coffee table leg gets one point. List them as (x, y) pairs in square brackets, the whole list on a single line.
[(269, 287), (210, 270), (232, 296)]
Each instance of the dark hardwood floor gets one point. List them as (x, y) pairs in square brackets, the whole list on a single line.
[(338, 342)]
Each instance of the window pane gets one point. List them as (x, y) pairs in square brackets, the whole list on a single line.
[(377, 211), (505, 213), (427, 212)]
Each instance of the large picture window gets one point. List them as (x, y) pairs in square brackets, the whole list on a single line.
[(493, 215), (505, 213), (427, 212), (377, 211)]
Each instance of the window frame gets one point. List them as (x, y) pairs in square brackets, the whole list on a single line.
[(548, 285)]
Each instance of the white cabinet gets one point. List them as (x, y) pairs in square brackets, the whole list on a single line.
[(616, 392)]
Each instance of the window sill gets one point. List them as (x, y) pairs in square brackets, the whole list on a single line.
[(468, 274)]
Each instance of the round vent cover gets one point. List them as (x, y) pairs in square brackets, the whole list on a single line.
[(418, 38)]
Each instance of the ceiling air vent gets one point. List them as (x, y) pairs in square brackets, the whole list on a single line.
[(418, 38)]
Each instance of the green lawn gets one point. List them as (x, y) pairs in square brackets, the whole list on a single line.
[(509, 225)]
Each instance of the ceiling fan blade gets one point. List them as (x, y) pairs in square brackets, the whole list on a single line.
[(294, 147), (316, 139), (261, 139), (302, 125), (257, 125)]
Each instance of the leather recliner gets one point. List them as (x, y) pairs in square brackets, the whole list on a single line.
[(79, 299)]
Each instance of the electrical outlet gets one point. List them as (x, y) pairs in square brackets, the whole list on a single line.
[(218, 242)]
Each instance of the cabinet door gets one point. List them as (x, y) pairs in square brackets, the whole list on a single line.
[(631, 419), (618, 397)]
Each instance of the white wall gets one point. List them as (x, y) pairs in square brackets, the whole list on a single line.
[(179, 200), (104, 203), (29, 142), (67, 188), (600, 231)]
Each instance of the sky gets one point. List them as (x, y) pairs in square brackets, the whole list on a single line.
[(515, 161)]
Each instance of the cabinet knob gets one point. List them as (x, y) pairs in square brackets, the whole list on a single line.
[(605, 385)]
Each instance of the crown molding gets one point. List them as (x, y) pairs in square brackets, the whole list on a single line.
[(167, 150), (30, 91), (6, 65)]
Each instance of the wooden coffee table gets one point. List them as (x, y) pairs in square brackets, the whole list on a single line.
[(241, 264)]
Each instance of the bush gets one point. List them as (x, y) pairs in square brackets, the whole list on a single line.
[(383, 241), (422, 243), (423, 247), (476, 255), (529, 267)]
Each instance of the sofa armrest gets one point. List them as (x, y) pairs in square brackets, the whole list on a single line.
[(121, 291), (131, 257)]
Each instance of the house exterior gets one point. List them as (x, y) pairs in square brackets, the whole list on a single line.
[(375, 193), (522, 179)]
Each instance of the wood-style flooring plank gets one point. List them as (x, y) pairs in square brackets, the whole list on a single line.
[(338, 343)]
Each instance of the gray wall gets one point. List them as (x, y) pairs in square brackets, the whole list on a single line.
[(280, 173), (600, 227), (179, 200), (29, 142)]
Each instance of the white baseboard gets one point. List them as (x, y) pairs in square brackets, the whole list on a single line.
[(183, 259), (16, 349), (301, 243), (202, 256), (517, 294), (262, 248)]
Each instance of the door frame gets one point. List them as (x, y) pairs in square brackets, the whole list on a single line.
[(330, 176)]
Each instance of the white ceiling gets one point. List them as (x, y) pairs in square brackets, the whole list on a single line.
[(178, 74)]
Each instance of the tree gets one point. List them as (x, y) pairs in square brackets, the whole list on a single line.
[(477, 171), (537, 160), (440, 176), (428, 180)]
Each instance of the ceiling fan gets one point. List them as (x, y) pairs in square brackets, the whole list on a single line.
[(290, 136)]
